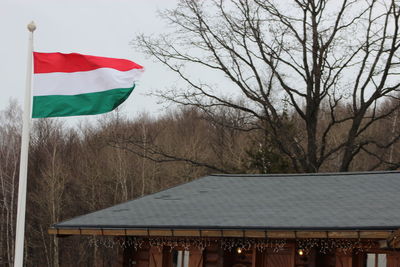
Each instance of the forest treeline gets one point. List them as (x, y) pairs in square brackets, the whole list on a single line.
[(78, 169)]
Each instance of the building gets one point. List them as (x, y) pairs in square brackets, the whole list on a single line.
[(337, 219)]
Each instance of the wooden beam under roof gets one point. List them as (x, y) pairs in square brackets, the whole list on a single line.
[(273, 234)]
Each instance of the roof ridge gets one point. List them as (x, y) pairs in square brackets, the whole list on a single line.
[(303, 174)]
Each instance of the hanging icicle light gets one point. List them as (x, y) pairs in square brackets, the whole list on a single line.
[(300, 252)]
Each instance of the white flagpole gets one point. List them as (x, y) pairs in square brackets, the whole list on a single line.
[(23, 166)]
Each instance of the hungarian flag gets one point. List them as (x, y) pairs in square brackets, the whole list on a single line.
[(75, 84)]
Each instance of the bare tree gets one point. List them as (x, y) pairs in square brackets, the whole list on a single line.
[(161, 141), (316, 56), (10, 127), (48, 181)]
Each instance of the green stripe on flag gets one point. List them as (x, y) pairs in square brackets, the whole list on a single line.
[(75, 105)]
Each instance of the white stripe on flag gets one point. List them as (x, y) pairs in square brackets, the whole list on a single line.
[(60, 83)]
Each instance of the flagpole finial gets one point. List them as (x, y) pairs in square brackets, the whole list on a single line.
[(32, 26)]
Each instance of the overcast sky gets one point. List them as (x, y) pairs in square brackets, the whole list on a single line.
[(94, 27)]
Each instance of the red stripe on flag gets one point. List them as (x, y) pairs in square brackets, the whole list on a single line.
[(59, 62)]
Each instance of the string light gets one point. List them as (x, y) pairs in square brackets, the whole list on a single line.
[(304, 246)]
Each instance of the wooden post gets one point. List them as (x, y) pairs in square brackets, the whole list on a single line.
[(343, 259), (253, 257), (195, 257), (155, 257)]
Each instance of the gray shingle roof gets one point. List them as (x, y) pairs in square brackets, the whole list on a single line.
[(305, 201)]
